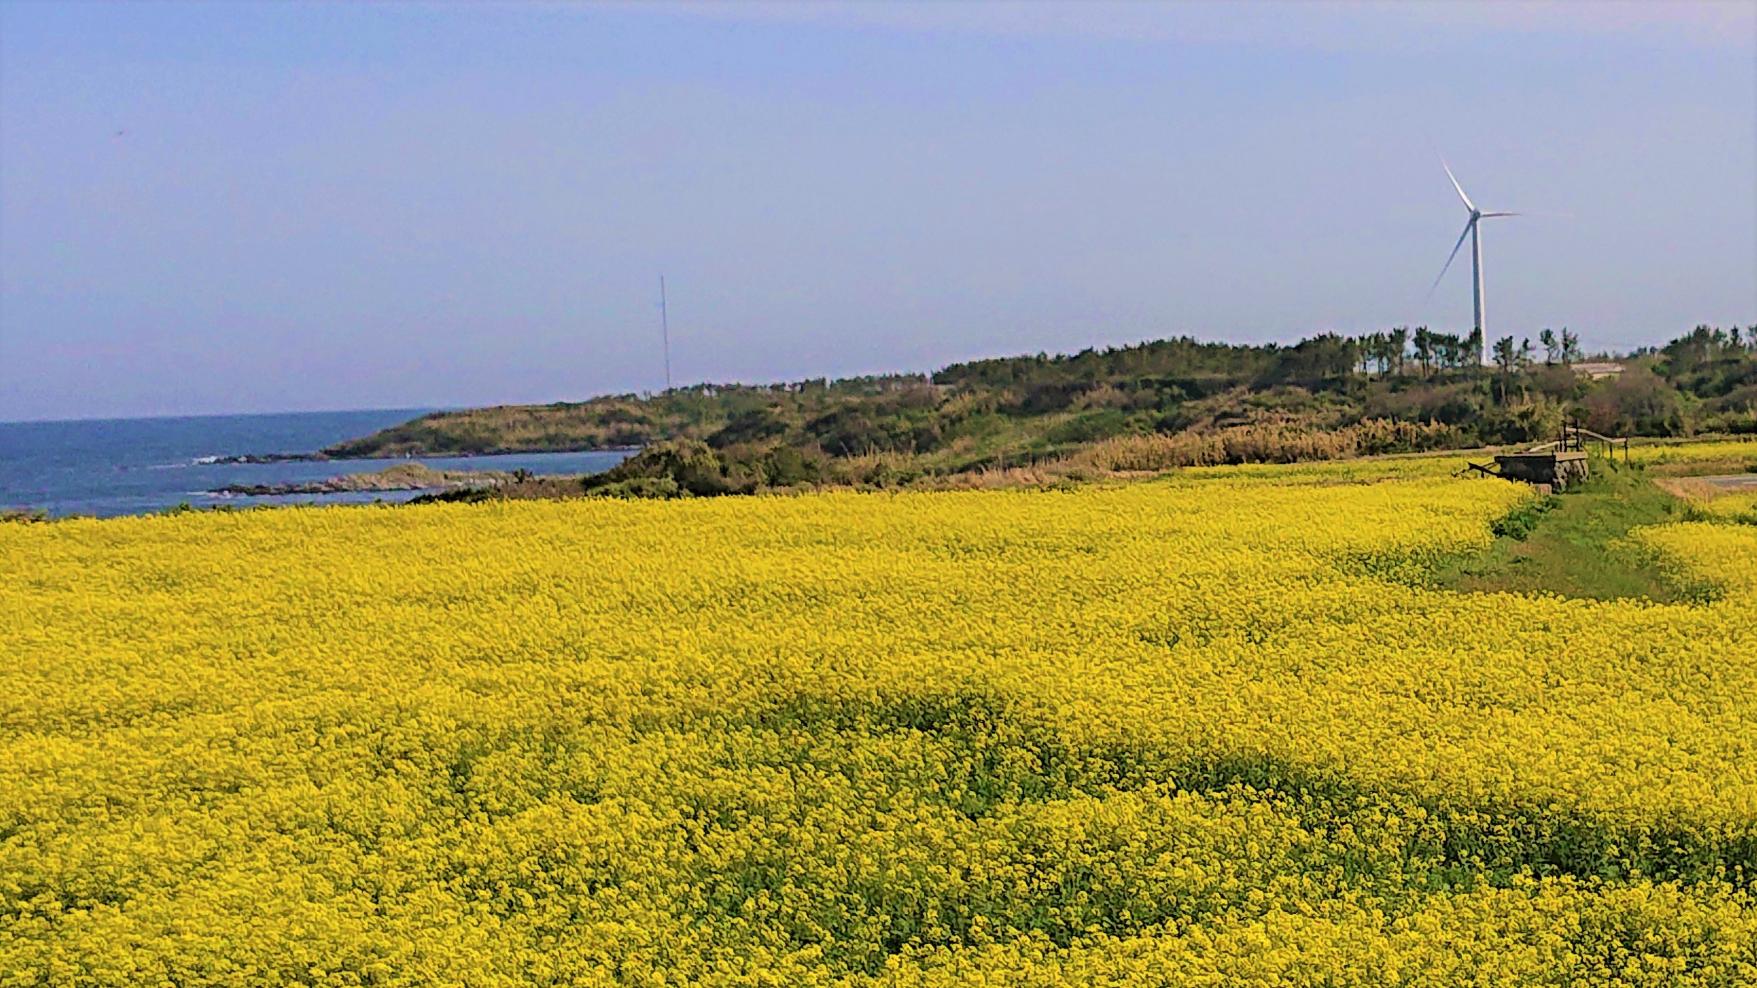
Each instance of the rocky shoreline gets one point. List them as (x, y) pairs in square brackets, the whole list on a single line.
[(402, 477), (409, 453), (265, 458)]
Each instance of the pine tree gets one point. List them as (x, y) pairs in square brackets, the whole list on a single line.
[(1552, 351), (1506, 357), (1424, 349)]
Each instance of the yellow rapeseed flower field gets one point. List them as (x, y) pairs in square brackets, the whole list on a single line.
[(1207, 730), (1695, 452), (1738, 506)]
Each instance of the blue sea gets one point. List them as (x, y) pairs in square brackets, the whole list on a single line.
[(107, 467)]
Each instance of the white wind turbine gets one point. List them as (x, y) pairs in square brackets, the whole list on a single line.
[(1470, 230)]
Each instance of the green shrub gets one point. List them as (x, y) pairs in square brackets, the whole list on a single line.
[(660, 488), (1519, 523), (1088, 427), (786, 466)]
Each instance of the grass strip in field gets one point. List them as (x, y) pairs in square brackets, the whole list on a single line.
[(1577, 545)]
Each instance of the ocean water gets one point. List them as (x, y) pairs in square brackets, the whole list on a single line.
[(107, 467)]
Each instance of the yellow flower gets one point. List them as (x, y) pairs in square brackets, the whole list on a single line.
[(1205, 730)]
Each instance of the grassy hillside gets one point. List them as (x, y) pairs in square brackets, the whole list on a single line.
[(1323, 397)]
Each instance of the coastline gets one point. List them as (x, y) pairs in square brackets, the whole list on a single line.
[(106, 468), (322, 456), (400, 477)]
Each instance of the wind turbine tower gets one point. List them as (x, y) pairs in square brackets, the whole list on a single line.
[(1472, 229)]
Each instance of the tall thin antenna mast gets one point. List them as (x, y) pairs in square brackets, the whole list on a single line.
[(665, 331)]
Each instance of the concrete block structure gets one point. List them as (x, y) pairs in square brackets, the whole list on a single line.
[(1558, 468)]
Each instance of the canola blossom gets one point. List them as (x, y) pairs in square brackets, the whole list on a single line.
[(1739, 506), (1212, 729), (1744, 448)]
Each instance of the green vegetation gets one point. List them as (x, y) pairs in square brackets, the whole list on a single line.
[(1519, 523), (1151, 406), (1578, 546)]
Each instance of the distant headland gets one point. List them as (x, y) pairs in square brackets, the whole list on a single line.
[(1172, 402)]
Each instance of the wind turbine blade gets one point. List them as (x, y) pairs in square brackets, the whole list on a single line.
[(1449, 258), (1487, 215), (1467, 203)]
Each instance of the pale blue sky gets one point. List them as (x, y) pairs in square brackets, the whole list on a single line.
[(350, 206)]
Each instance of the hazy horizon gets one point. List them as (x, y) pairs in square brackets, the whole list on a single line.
[(232, 209), (425, 409)]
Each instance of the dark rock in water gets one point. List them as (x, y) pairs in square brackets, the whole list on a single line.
[(270, 458), (402, 477), (307, 487), (263, 490)]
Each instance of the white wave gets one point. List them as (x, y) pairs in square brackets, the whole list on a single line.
[(200, 461)]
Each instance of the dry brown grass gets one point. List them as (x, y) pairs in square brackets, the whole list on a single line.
[(875, 468), (1051, 474), (1261, 443)]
